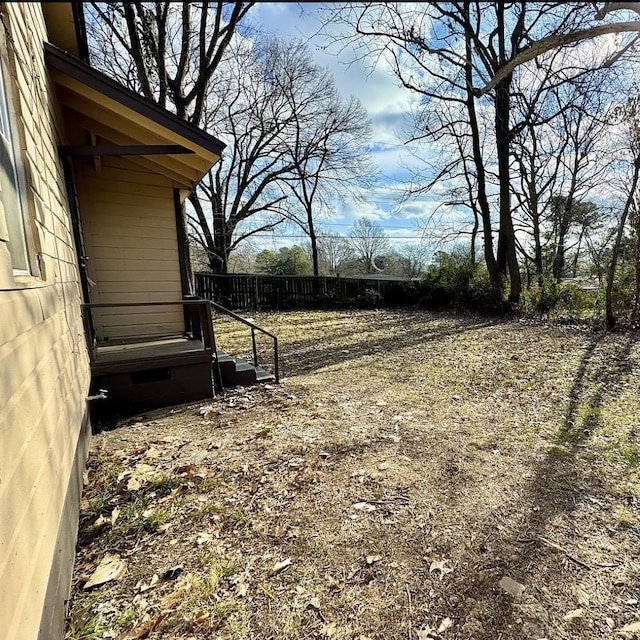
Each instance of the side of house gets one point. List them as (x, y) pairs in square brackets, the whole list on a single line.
[(44, 370)]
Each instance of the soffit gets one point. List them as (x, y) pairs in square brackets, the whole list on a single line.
[(117, 116)]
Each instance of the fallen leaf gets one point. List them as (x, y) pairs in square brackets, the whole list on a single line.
[(280, 566), (207, 411), (426, 634), (441, 566), (372, 559), (154, 581), (186, 470), (445, 625), (334, 585), (634, 627), (203, 537), (115, 515), (144, 629), (329, 629), (134, 484), (582, 596), (198, 617), (573, 615), (241, 589), (383, 466), (315, 603), (364, 506), (511, 587), (111, 567)]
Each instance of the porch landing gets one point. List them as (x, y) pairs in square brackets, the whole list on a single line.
[(150, 372), (151, 348)]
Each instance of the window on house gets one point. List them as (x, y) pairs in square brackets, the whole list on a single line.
[(10, 189)]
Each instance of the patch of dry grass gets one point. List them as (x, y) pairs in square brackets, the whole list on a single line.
[(407, 464)]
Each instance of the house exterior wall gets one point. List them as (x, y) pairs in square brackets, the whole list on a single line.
[(129, 229), (44, 372)]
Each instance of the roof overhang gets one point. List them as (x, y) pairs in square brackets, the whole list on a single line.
[(116, 117), (65, 26)]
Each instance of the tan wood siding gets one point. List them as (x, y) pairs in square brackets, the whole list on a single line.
[(128, 221), (44, 372)]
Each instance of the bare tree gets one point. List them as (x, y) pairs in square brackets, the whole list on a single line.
[(412, 259), (368, 241), (333, 250), (170, 52), (289, 133), (243, 259), (538, 149), (256, 120), (540, 46), (167, 51), (449, 66), (327, 149), (629, 115)]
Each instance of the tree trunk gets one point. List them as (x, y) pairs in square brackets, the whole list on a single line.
[(535, 218), (538, 251), (507, 257), (314, 243), (474, 235), (611, 272), (636, 302), (221, 241), (497, 282), (576, 258), (559, 258)]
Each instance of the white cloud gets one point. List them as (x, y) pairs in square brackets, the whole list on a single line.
[(389, 107)]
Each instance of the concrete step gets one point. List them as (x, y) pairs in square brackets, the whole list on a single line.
[(262, 375), (239, 372)]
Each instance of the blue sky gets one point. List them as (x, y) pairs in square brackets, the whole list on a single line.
[(387, 105)]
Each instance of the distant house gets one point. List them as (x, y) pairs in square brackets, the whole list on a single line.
[(381, 276), (94, 287)]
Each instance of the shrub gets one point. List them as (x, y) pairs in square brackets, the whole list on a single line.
[(370, 299), (539, 298), (556, 298), (455, 281)]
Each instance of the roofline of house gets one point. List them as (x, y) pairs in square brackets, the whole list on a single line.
[(82, 72)]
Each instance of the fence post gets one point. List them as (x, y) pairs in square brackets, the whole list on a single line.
[(256, 305)]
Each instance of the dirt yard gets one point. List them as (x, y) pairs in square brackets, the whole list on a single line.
[(415, 476)]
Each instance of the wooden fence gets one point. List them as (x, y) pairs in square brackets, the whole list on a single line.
[(298, 292)]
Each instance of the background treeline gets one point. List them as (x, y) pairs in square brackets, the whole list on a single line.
[(525, 123)]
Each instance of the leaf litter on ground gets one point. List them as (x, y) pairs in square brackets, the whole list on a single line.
[(562, 419)]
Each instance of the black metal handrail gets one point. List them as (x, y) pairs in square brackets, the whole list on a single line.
[(253, 326)]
